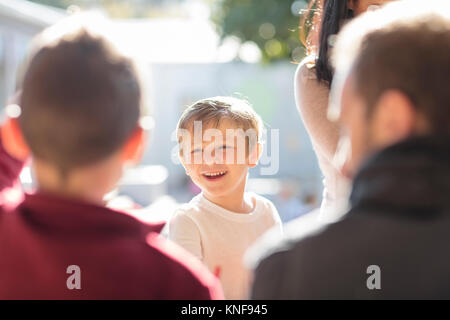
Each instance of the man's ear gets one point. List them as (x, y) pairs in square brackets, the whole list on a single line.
[(255, 155), (394, 119), (13, 140), (134, 147), (351, 4)]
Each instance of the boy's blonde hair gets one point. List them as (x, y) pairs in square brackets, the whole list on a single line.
[(211, 111)]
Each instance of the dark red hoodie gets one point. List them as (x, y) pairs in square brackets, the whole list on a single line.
[(118, 256)]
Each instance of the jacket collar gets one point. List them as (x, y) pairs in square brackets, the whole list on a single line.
[(411, 177)]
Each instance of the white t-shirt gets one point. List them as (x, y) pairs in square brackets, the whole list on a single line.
[(220, 238)]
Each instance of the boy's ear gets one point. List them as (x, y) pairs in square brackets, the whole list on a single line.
[(13, 140), (133, 149), (255, 155), (186, 168)]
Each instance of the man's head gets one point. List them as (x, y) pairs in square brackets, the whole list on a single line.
[(360, 6), (80, 103), (219, 140), (392, 76)]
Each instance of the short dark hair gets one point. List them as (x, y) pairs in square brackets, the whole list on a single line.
[(81, 100), (405, 47)]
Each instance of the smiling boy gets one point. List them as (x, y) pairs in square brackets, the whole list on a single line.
[(219, 141)]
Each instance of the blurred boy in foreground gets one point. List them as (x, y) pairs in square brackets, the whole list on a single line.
[(79, 113)]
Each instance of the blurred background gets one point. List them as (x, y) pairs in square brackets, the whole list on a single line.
[(192, 49)]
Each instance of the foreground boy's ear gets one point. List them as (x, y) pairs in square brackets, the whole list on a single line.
[(351, 4), (134, 147), (181, 158), (13, 140), (255, 155)]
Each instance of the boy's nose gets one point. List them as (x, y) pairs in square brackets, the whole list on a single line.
[(208, 157), (213, 157)]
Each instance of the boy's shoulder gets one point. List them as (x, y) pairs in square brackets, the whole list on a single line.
[(192, 208), (263, 202), (269, 212)]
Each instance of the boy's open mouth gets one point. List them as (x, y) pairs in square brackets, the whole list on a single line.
[(214, 175)]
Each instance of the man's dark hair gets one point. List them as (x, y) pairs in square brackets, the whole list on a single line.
[(417, 66), (80, 101), (402, 47)]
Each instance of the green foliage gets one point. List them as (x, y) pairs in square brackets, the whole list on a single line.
[(272, 24)]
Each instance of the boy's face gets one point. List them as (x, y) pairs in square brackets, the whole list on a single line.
[(216, 159)]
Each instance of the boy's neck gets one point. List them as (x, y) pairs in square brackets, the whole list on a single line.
[(87, 184), (79, 195), (234, 201)]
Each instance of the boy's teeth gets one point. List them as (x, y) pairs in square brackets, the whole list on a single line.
[(215, 174)]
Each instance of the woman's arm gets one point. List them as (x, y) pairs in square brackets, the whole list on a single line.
[(311, 98)]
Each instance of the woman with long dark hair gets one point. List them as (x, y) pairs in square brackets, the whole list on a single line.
[(312, 85)]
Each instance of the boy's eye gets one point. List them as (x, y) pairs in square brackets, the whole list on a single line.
[(196, 150), (221, 149)]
